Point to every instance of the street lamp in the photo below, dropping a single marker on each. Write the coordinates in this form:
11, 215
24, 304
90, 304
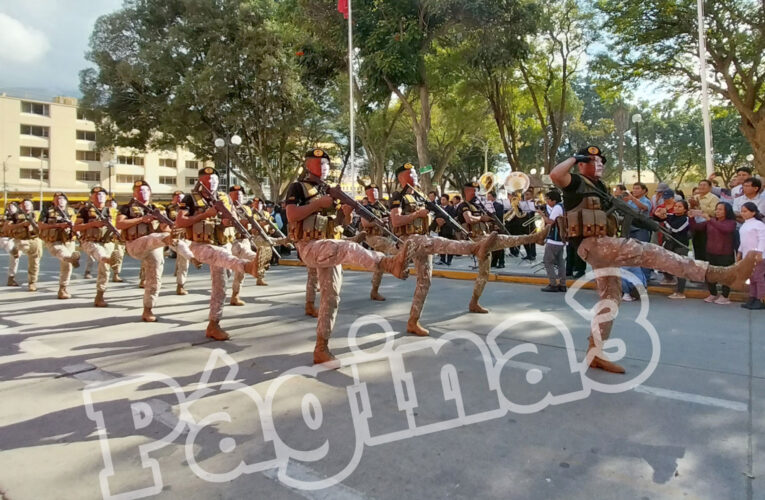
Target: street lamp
636, 119
749, 158
235, 141
5, 184
42, 158
110, 165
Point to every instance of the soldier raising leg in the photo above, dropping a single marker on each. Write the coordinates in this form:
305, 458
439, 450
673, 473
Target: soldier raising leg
56, 230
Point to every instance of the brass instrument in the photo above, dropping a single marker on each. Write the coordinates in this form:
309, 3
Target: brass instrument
516, 183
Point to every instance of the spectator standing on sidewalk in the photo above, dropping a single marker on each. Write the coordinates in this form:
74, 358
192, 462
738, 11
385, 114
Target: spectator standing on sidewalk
679, 226
720, 235
554, 244
753, 240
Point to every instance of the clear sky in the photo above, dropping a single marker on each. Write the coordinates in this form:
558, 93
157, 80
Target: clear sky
43, 44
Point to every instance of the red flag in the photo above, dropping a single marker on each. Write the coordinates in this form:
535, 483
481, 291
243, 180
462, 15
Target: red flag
342, 6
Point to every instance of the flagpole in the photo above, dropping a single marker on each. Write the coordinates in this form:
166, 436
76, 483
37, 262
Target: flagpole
352, 159
704, 90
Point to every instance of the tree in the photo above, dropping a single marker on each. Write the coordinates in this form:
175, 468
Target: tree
657, 39
183, 72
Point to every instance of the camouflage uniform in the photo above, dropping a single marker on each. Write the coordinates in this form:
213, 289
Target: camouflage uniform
7, 244
98, 243
118, 256
28, 242
60, 243
181, 260
480, 230
377, 241
242, 248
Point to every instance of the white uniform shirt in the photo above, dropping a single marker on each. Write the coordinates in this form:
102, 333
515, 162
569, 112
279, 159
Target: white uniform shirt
752, 234
553, 213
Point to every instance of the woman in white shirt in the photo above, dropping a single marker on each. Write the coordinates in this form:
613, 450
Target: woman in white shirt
752, 234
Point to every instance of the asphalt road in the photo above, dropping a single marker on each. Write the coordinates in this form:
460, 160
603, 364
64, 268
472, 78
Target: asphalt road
96, 404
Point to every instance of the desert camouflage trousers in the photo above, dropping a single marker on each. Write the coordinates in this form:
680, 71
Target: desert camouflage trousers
427, 246
501, 242
150, 251
219, 258
101, 253
62, 251
619, 252
265, 254
327, 258
118, 256
33, 249
181, 263
9, 245
386, 246
243, 249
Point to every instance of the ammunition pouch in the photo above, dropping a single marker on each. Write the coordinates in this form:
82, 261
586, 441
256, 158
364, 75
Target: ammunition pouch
421, 225
97, 235
315, 227
139, 230
212, 232
588, 219
477, 229
56, 235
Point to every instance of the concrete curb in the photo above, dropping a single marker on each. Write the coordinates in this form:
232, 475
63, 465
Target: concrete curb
532, 280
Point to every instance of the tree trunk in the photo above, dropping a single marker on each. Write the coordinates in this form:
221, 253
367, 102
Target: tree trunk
755, 134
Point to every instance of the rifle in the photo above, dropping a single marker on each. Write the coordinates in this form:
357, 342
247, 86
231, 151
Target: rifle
493, 216
32, 221
278, 231
223, 210
240, 209
156, 213
65, 216
346, 199
440, 212
106, 220
631, 216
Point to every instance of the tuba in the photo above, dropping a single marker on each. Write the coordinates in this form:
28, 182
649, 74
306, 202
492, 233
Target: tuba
487, 182
515, 183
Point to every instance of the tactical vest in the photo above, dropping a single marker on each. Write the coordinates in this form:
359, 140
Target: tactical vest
380, 211
173, 209
4, 226
212, 230
589, 218
57, 235
321, 225
25, 233
245, 222
99, 234
141, 229
420, 225
476, 229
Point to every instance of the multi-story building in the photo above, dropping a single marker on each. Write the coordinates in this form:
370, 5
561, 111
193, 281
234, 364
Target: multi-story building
54, 141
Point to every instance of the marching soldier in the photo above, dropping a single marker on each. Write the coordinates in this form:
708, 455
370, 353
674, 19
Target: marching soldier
242, 246
181, 261
212, 235
145, 240
119, 252
265, 250
411, 221
586, 199
26, 236
315, 227
375, 237
56, 225
478, 223
97, 237
7, 243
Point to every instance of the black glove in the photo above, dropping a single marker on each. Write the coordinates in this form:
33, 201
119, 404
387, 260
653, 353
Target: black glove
582, 158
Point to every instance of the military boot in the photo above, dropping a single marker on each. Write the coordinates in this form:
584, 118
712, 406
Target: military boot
116, 278
33, 287
148, 316
310, 310
12, 281
215, 332
74, 260
475, 307
252, 268
396, 265
261, 282
63, 293
100, 302
734, 276
321, 352
414, 326
235, 300
375, 295
179, 290
601, 363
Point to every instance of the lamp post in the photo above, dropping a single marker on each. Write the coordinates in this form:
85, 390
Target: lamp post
110, 166
42, 158
235, 141
5, 184
749, 158
636, 119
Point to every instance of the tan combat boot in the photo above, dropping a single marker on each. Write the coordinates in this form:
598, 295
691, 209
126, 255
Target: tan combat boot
375, 295
483, 247
179, 290
601, 363
33, 287
74, 260
261, 282
148, 316
142, 284
100, 302
215, 332
310, 310
475, 307
63, 293
117, 279
396, 265
236, 301
252, 268
12, 281
196, 263
414, 326
734, 276
321, 352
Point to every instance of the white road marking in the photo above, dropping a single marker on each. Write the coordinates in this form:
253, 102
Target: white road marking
304, 473
692, 398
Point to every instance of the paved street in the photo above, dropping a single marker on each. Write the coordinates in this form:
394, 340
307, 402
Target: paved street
433, 419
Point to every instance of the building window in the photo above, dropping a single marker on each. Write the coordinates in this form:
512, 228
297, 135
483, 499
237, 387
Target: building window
86, 135
128, 179
32, 173
35, 130
170, 181
33, 152
130, 160
88, 176
88, 156
192, 165
35, 108
191, 181
167, 162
